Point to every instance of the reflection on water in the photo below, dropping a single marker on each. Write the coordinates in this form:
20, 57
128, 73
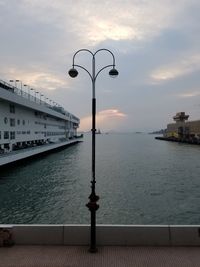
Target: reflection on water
139, 180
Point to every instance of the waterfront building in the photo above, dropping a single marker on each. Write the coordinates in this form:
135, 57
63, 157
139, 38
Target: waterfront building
28, 121
183, 129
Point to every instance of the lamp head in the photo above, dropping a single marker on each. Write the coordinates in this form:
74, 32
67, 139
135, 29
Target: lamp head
113, 73
73, 72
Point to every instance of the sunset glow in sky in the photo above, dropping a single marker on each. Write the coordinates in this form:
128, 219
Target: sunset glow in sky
156, 45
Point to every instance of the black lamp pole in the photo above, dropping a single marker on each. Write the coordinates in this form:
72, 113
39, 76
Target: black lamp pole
93, 198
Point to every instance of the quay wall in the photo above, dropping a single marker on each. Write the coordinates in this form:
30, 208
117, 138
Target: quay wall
179, 140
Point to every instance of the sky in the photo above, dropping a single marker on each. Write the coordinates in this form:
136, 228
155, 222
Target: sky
156, 45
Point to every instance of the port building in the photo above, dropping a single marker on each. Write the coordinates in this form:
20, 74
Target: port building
182, 128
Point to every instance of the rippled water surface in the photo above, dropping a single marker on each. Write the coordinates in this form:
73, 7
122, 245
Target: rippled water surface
140, 180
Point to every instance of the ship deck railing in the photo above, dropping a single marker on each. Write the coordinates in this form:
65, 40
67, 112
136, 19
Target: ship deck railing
34, 98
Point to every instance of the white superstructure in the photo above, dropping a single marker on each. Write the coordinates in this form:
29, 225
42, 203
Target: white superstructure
28, 121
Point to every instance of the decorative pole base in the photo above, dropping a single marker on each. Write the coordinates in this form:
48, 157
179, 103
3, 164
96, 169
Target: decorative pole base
93, 207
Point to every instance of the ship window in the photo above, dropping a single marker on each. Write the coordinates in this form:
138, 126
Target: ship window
23, 122
6, 135
12, 122
12, 108
12, 135
5, 120
18, 122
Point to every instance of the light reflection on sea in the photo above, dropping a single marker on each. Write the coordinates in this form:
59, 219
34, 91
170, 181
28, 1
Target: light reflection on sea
140, 180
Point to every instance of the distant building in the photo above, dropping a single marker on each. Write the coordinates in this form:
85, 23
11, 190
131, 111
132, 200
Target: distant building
183, 129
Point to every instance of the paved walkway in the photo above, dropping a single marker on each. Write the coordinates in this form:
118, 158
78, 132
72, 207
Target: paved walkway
78, 256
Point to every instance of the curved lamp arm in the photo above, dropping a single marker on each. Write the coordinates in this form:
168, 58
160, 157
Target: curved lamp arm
101, 70
79, 66
81, 50
93, 56
104, 49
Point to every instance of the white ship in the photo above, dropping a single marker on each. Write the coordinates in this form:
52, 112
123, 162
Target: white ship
30, 125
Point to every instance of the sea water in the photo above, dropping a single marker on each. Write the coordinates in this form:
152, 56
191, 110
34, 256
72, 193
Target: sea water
139, 180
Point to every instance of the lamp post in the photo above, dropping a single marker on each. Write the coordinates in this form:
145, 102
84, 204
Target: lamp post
18, 81
35, 96
28, 91
31, 89
41, 95
93, 198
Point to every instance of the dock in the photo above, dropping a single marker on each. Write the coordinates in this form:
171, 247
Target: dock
22, 154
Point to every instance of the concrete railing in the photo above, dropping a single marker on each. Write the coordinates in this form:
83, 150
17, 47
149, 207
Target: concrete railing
122, 235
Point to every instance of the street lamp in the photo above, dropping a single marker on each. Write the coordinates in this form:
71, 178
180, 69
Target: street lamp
41, 95
46, 101
35, 96
31, 89
93, 198
18, 81
28, 91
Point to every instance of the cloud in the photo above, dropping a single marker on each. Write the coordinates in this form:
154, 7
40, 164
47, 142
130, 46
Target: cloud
110, 113
107, 119
36, 79
181, 67
190, 94
45, 80
155, 43
96, 21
